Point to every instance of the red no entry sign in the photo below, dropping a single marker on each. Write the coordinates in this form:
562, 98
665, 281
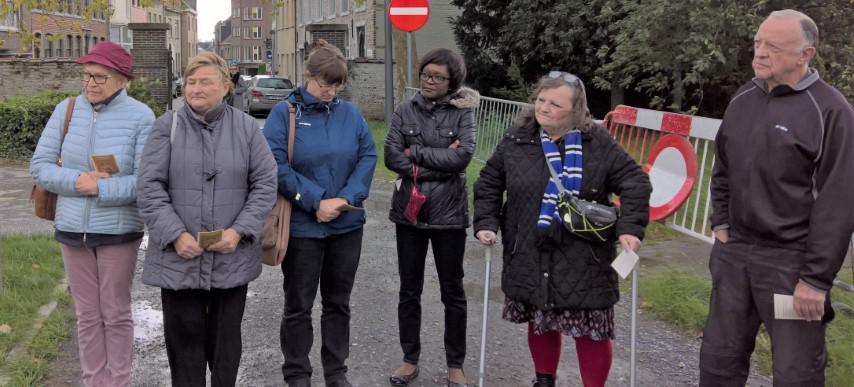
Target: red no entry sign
672, 169
408, 15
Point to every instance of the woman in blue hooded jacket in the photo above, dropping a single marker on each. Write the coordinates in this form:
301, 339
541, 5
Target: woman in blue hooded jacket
330, 172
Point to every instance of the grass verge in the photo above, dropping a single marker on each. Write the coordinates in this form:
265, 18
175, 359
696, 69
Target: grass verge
688, 312
32, 268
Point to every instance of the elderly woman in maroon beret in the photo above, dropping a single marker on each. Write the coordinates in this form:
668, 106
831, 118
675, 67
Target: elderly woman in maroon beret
97, 225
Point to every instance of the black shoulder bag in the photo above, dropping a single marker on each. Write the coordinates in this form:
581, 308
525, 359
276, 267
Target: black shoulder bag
588, 220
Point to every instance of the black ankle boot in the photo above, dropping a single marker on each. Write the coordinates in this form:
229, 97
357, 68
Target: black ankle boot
544, 380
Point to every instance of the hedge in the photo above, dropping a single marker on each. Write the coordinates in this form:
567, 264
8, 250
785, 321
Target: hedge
22, 119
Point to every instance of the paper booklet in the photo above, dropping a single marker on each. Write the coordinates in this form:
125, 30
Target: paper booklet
207, 238
105, 163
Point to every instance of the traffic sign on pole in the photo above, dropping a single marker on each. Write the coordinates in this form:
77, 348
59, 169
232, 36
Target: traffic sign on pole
408, 15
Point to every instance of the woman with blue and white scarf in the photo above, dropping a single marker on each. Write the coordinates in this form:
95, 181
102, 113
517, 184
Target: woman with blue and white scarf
557, 283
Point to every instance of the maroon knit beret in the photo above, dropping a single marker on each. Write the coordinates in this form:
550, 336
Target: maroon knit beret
110, 55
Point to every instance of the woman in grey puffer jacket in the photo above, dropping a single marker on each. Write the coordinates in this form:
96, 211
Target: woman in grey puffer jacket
430, 143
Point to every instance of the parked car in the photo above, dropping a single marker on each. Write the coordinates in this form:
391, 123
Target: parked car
264, 91
176, 88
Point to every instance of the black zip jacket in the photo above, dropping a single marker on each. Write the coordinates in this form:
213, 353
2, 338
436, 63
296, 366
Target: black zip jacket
784, 172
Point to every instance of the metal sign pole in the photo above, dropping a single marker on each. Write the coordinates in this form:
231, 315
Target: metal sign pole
389, 72
409, 59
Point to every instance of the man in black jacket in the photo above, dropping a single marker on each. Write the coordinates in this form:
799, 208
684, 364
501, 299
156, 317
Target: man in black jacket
780, 189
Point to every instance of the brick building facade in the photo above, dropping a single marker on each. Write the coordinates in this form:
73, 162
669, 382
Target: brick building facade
250, 38
60, 32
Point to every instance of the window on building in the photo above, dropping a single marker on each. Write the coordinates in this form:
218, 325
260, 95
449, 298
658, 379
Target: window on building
361, 7
318, 9
254, 13
307, 10
235, 31
255, 32
299, 6
360, 41
235, 12
10, 21
345, 6
256, 53
79, 51
69, 46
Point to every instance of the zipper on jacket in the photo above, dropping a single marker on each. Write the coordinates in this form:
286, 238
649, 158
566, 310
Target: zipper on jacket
88, 207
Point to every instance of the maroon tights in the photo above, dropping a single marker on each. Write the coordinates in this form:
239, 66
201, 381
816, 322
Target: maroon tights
594, 357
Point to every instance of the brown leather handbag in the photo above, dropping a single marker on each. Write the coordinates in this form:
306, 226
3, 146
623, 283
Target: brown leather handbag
44, 201
277, 227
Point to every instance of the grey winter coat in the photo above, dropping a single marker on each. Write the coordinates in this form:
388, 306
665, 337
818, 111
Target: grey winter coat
427, 129
213, 174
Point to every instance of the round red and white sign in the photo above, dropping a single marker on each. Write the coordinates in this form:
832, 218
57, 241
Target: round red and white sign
408, 15
672, 169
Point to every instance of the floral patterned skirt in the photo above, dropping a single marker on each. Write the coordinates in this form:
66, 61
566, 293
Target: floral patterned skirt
598, 324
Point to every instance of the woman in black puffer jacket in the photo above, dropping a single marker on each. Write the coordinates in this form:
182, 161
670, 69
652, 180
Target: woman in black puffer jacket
433, 133
556, 282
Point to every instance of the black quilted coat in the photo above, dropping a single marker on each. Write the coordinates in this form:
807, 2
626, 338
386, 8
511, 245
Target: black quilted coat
551, 268
427, 129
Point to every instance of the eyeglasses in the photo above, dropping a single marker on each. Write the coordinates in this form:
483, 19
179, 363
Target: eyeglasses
433, 78
325, 86
100, 79
566, 77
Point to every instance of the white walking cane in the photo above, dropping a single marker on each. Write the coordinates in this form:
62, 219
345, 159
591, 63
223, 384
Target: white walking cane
633, 364
488, 260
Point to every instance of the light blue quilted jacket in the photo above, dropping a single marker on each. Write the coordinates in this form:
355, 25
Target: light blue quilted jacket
120, 128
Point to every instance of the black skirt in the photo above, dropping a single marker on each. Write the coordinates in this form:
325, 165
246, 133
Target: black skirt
598, 324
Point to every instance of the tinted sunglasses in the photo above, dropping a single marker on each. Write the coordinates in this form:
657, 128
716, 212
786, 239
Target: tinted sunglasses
566, 77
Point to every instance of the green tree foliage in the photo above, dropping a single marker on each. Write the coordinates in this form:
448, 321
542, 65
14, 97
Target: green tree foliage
687, 56
140, 89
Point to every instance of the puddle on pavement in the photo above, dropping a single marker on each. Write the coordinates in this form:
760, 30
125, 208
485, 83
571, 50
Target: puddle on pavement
147, 322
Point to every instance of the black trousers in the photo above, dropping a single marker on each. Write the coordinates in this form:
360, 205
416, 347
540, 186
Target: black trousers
203, 328
745, 278
448, 251
330, 262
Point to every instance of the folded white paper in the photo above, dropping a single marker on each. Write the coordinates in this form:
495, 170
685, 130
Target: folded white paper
784, 308
625, 263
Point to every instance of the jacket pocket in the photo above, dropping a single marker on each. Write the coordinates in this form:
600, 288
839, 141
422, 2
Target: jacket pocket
448, 134
411, 133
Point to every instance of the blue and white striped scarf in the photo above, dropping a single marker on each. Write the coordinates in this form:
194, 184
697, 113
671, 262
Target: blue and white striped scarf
570, 174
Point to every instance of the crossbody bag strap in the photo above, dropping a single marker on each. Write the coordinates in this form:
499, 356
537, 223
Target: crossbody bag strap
69, 111
291, 130
554, 173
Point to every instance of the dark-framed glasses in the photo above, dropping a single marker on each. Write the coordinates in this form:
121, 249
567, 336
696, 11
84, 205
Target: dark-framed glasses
433, 78
566, 77
100, 79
